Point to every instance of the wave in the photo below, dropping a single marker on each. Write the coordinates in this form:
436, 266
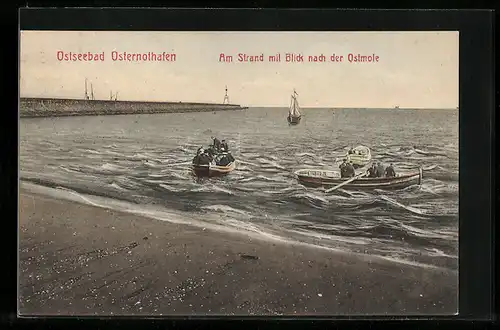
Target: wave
231, 224
262, 194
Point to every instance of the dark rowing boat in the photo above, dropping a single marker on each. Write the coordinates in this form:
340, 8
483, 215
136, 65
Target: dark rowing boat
328, 179
210, 170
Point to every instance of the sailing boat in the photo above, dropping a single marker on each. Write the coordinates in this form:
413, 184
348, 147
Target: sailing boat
294, 115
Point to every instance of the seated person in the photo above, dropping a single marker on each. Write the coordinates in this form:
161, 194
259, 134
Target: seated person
350, 172
389, 171
372, 171
224, 146
216, 143
342, 167
380, 170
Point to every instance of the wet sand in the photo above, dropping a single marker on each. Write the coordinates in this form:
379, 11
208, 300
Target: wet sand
77, 259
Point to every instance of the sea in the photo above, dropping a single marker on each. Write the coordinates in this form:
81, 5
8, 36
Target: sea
141, 164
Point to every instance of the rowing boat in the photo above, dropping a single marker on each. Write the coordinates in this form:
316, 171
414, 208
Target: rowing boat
328, 178
209, 170
360, 156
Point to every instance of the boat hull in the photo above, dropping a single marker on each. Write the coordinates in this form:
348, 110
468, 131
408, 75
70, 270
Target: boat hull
213, 170
328, 179
294, 120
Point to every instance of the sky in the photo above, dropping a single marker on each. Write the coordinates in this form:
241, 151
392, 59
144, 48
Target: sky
414, 69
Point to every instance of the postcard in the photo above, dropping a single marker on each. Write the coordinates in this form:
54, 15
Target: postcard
238, 173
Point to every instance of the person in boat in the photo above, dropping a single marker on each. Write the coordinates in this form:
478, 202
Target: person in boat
210, 151
350, 172
372, 171
389, 171
216, 143
202, 159
346, 169
380, 170
224, 159
230, 157
223, 146
351, 151
196, 159
342, 168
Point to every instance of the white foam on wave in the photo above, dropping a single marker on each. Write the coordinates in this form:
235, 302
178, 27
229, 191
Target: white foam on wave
279, 191
340, 239
271, 163
212, 188
171, 188
157, 175
117, 186
69, 169
311, 197
224, 209
113, 153
422, 232
211, 223
429, 153
408, 208
112, 167
260, 177
152, 164
305, 154
92, 151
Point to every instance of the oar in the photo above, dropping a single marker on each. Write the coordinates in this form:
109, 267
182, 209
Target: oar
346, 182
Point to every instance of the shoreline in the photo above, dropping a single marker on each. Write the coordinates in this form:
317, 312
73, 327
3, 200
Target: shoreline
41, 188
78, 259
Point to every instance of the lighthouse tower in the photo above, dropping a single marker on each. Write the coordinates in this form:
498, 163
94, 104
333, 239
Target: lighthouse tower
226, 98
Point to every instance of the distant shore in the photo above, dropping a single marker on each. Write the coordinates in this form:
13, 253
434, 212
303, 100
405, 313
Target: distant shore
56, 107
84, 260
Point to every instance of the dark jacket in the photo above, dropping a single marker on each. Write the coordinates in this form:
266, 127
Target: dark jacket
372, 172
349, 169
216, 144
342, 168
380, 171
389, 171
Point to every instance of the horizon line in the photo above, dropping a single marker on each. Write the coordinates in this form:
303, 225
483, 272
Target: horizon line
248, 105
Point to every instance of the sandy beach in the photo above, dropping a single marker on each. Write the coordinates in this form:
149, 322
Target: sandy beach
78, 259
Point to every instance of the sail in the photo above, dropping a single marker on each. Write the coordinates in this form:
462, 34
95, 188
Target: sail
294, 107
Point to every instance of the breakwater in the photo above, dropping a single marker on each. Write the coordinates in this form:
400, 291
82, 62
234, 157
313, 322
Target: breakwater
52, 107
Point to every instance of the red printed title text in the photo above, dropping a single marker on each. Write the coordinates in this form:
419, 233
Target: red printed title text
299, 58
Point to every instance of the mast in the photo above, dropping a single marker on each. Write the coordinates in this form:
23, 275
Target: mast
86, 93
111, 95
226, 98
116, 96
92, 91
